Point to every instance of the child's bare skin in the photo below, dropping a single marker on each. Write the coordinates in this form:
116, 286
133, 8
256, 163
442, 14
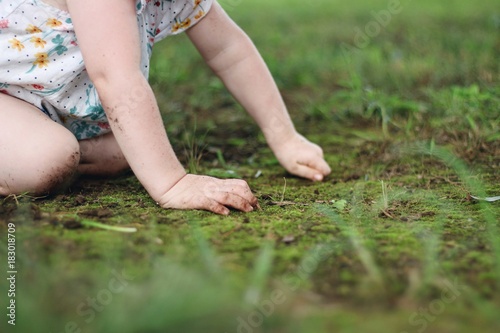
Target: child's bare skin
38, 154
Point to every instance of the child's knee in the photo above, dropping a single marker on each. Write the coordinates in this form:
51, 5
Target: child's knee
57, 167
42, 167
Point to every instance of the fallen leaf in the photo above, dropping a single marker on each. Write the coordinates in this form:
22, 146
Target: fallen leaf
488, 199
340, 204
288, 239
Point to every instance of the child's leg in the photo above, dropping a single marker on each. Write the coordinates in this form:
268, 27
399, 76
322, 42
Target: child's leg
101, 156
37, 155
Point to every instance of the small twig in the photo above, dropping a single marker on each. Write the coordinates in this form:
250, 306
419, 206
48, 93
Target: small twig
17, 197
236, 228
387, 214
384, 195
283, 193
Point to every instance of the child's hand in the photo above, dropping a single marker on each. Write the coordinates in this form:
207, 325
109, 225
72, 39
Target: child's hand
208, 193
302, 158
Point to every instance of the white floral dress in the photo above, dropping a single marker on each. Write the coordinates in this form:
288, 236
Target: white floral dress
41, 63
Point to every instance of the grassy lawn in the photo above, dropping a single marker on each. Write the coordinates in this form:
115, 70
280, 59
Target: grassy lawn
405, 101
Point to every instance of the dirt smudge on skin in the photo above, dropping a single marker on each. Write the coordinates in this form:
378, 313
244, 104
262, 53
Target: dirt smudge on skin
59, 178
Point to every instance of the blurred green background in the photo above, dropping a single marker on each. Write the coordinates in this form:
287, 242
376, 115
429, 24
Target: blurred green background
406, 107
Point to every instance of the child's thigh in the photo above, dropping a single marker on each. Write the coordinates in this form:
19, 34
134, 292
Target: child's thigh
32, 146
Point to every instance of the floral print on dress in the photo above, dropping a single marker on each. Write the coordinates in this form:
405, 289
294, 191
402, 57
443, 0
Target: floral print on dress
31, 29
3, 89
4, 24
16, 44
185, 23
41, 63
39, 42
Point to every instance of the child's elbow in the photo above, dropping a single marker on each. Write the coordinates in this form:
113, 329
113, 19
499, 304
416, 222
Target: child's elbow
108, 78
236, 52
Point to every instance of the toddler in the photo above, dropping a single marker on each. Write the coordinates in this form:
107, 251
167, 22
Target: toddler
74, 98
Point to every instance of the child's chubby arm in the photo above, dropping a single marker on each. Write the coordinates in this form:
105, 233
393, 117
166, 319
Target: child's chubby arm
234, 58
108, 36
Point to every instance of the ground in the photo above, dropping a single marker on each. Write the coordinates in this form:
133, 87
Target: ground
404, 97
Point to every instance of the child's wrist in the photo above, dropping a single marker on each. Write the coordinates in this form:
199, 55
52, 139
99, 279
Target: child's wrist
159, 189
278, 140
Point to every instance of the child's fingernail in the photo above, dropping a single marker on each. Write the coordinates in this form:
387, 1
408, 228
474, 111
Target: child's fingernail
318, 177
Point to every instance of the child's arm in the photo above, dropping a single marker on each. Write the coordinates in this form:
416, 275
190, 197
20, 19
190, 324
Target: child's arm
234, 58
109, 40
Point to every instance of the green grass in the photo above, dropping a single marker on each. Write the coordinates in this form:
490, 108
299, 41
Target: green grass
390, 242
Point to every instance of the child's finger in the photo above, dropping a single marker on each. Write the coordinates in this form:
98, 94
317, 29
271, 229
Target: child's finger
308, 172
215, 207
233, 200
212, 194
320, 165
198, 202
316, 163
241, 188
232, 192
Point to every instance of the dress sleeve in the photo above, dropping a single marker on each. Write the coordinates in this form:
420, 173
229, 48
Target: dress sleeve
171, 17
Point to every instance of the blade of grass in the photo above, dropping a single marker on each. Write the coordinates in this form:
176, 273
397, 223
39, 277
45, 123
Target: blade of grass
260, 274
353, 235
207, 254
94, 224
473, 185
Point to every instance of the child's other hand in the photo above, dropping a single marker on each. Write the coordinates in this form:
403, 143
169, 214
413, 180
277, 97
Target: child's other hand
302, 158
208, 193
